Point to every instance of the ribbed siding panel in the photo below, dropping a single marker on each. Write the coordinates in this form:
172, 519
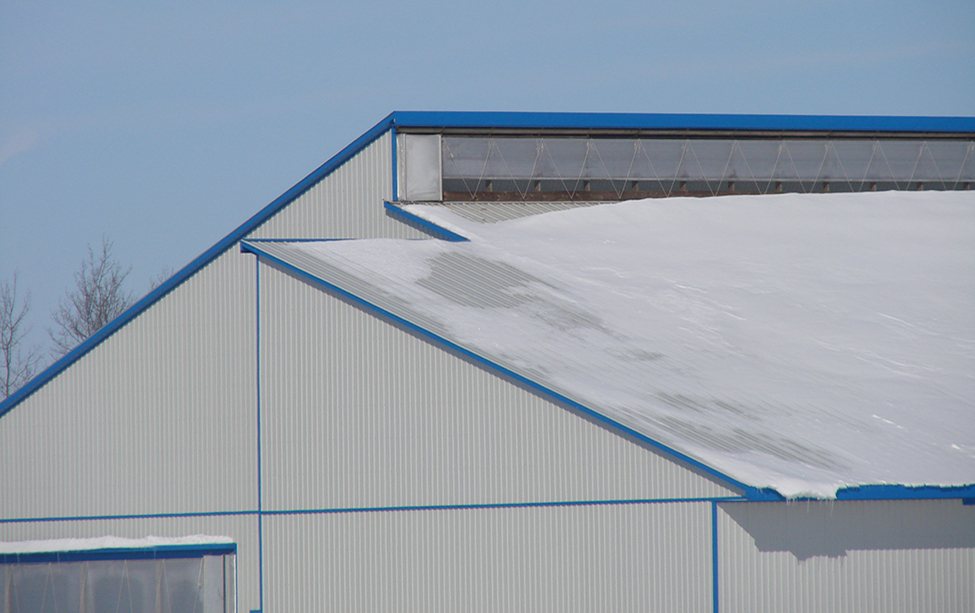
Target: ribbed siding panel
346, 204
358, 413
241, 528
883, 556
159, 418
643, 557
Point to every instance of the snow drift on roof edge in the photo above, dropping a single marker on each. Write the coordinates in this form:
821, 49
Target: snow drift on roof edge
805, 343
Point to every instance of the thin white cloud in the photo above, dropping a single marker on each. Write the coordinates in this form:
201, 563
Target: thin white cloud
24, 140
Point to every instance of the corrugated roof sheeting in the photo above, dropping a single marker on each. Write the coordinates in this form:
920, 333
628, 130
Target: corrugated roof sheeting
847, 556
346, 203
359, 413
159, 418
241, 528
635, 557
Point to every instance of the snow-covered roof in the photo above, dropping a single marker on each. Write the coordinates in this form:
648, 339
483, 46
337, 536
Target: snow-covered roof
805, 343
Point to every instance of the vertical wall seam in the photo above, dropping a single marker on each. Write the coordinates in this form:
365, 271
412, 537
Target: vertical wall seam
260, 493
714, 555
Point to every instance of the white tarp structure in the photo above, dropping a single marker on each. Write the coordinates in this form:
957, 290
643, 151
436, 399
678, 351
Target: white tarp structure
805, 343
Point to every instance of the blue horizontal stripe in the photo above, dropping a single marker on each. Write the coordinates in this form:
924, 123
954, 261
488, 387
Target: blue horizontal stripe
504, 505
497, 505
20, 520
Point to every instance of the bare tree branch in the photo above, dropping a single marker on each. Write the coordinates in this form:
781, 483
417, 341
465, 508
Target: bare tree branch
18, 364
164, 274
97, 299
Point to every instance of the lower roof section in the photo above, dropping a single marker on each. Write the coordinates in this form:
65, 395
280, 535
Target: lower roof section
811, 344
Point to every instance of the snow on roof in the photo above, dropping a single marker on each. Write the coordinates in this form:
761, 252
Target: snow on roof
805, 343
109, 542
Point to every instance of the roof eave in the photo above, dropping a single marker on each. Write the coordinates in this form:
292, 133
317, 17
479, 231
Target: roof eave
634, 123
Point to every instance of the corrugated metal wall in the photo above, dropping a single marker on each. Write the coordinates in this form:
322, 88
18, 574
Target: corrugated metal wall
358, 413
855, 556
346, 204
173, 392
635, 557
241, 528
162, 416
159, 418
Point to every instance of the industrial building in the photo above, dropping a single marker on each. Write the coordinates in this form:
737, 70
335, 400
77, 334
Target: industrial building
534, 361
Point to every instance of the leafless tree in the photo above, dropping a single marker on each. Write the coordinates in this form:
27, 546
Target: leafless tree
18, 364
98, 298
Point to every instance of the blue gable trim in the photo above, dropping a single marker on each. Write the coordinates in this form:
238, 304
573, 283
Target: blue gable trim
484, 120
905, 492
193, 267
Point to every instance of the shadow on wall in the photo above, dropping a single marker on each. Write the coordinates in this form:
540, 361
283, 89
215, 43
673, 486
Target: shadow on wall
832, 528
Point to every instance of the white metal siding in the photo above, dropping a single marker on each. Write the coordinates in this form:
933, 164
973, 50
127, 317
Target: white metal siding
884, 556
346, 204
358, 413
641, 557
159, 418
241, 528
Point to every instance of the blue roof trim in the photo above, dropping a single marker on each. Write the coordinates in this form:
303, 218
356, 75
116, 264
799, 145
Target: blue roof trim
905, 492
751, 493
423, 224
193, 267
659, 121
165, 552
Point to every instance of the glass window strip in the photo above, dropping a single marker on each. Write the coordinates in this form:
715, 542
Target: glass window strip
552, 168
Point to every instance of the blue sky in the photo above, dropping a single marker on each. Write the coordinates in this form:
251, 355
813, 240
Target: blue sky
165, 126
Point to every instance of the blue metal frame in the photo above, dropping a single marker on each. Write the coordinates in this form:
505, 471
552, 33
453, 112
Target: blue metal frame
27, 520
507, 505
714, 555
260, 477
659, 121
395, 194
162, 552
